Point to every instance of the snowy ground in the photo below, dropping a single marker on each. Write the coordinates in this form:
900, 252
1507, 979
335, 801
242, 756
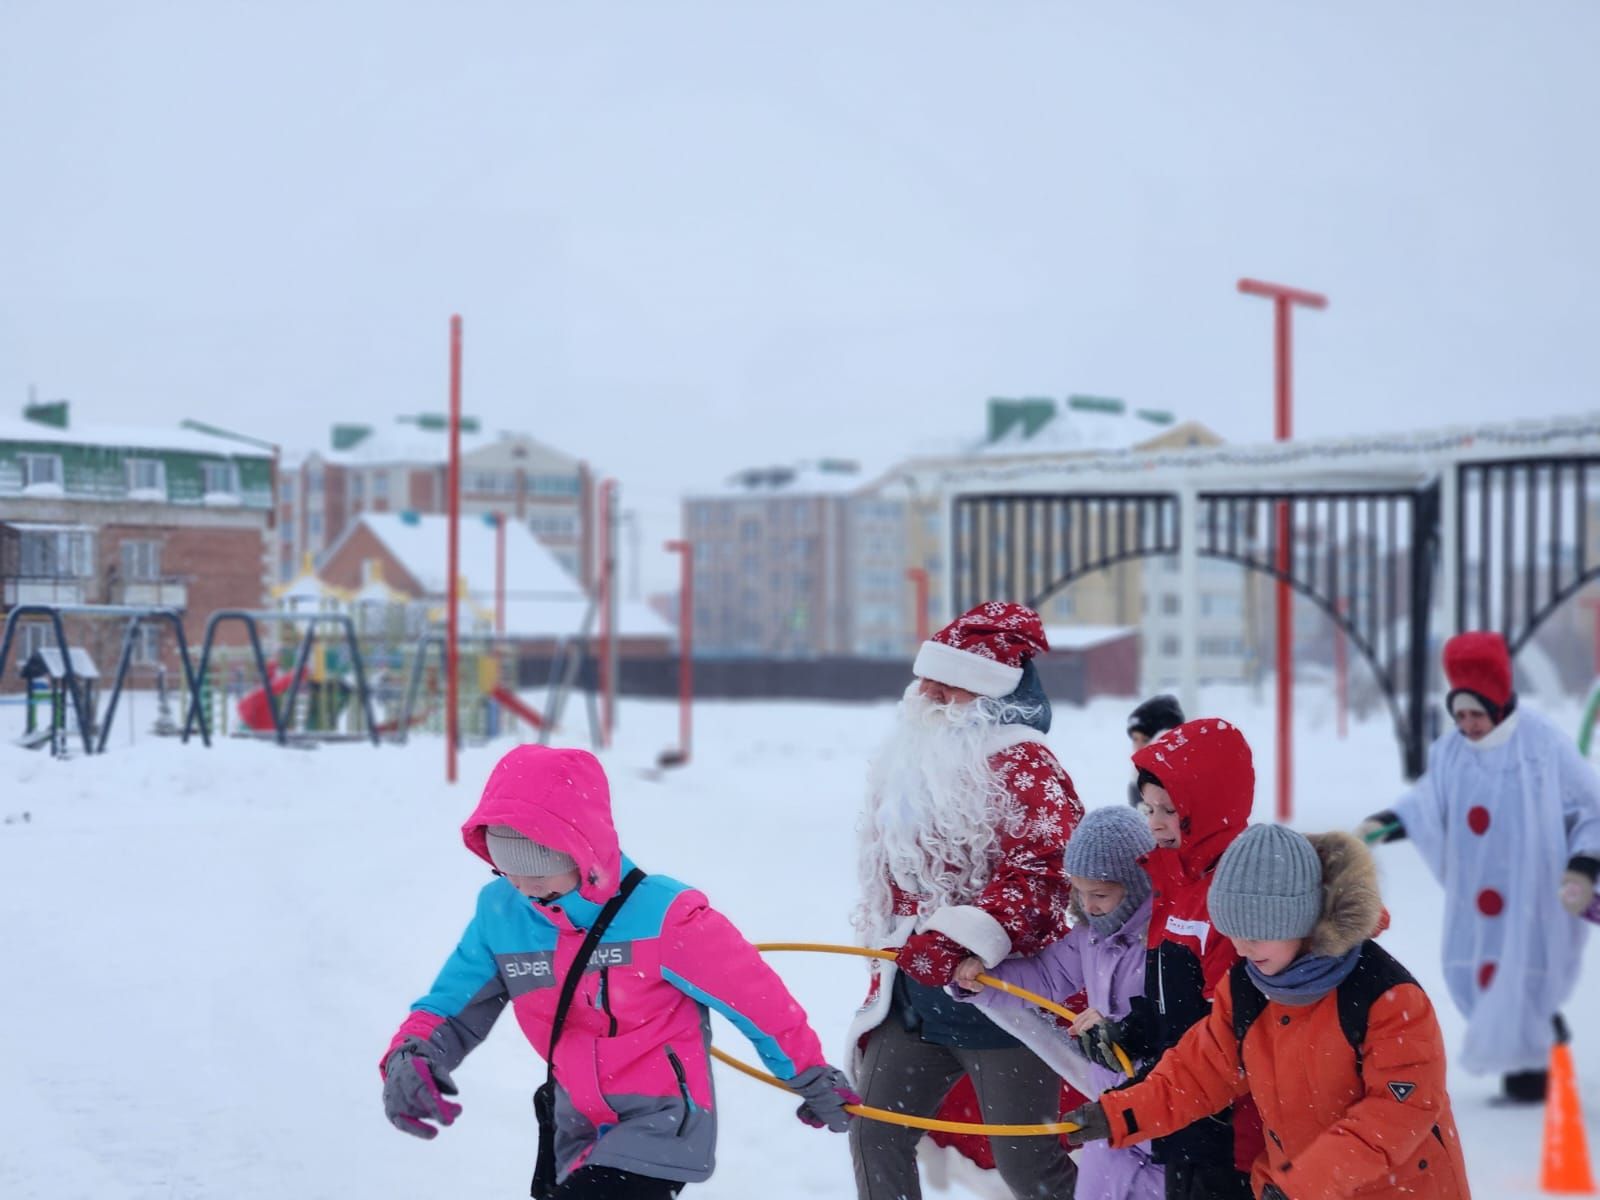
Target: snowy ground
204, 952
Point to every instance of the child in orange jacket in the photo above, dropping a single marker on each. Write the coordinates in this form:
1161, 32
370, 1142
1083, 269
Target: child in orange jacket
1373, 1117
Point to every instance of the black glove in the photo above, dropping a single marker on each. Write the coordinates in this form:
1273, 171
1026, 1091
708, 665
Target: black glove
1381, 828
1097, 1044
1091, 1122
1273, 1192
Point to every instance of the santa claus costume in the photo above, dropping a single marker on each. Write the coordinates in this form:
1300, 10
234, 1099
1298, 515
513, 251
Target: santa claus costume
1508, 821
961, 846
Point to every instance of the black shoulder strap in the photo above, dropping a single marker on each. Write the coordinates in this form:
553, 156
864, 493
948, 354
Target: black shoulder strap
1248, 1004
1376, 972
569, 985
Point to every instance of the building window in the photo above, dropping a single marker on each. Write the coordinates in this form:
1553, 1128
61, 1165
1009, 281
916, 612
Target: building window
147, 645
552, 485
380, 485
220, 478
41, 468
314, 525
55, 554
314, 480
141, 561
147, 475
1169, 647
36, 635
1171, 605
358, 486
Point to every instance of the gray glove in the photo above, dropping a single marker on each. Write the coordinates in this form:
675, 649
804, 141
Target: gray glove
1092, 1124
1273, 1192
826, 1092
414, 1090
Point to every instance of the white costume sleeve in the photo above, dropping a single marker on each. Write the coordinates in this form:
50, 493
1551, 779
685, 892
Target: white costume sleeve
1580, 802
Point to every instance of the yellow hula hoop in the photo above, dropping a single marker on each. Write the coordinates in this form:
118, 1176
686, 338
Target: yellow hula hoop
905, 1119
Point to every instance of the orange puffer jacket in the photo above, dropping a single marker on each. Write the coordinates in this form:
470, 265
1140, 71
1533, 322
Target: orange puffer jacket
1333, 1130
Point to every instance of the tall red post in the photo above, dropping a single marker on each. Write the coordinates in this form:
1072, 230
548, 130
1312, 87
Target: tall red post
452, 643
500, 574
919, 583
685, 644
607, 582
1283, 298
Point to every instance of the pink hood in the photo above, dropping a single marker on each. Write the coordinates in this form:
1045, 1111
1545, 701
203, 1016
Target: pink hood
559, 798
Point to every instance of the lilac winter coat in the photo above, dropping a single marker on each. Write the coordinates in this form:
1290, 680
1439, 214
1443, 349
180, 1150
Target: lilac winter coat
1110, 970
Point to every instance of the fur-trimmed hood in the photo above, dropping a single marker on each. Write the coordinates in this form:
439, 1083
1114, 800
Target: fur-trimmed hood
1352, 908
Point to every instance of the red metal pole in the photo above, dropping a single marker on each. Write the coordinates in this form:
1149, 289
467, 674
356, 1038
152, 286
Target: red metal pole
685, 642
452, 645
919, 581
606, 584
500, 574
1283, 430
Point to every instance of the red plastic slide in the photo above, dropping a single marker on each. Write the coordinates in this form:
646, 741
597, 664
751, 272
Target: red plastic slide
254, 710
516, 707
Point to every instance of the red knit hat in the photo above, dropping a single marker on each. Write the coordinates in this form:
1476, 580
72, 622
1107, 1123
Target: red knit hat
983, 650
1479, 663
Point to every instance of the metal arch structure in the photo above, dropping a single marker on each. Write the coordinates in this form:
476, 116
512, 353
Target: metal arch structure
1034, 544
1365, 556
1528, 542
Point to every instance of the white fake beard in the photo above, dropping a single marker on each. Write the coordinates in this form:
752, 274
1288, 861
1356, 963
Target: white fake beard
935, 810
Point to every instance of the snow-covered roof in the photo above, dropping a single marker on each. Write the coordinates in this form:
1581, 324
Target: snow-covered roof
542, 599
400, 442
129, 437
1085, 637
822, 477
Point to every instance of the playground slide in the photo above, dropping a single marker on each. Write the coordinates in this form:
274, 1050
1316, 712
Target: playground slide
517, 708
253, 706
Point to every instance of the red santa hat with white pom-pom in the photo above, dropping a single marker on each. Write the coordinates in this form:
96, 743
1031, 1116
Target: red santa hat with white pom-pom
984, 649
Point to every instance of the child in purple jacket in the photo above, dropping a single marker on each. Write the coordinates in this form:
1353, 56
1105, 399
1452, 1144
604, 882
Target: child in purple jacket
1103, 955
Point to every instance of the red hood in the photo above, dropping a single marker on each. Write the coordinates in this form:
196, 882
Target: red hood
1205, 766
558, 798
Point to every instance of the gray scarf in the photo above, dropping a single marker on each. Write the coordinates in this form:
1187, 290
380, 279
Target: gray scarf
1307, 979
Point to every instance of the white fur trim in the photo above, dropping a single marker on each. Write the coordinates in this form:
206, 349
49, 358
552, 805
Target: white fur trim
1006, 736
1040, 1033
974, 929
872, 1014
957, 668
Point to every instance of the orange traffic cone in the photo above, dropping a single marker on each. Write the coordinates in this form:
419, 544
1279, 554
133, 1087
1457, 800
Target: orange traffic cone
1565, 1169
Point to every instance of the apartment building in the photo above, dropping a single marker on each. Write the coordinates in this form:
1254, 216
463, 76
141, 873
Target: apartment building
403, 467
131, 516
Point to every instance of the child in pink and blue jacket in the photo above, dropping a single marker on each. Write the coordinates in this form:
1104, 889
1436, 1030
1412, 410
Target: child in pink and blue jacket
1103, 956
635, 1112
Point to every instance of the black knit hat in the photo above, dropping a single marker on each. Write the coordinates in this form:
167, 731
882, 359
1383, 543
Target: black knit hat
1155, 715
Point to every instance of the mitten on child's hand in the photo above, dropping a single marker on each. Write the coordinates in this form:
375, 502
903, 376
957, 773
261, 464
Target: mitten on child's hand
414, 1090
1092, 1125
931, 958
1099, 1043
826, 1092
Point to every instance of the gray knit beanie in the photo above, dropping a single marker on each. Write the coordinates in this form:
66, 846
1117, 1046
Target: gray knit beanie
1267, 886
1107, 844
515, 854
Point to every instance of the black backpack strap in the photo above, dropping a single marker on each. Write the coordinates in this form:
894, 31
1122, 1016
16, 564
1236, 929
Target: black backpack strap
569, 985
1376, 973
544, 1170
1248, 1004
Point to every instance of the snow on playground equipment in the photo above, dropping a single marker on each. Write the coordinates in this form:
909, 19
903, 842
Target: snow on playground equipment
82, 705
281, 715
928, 1123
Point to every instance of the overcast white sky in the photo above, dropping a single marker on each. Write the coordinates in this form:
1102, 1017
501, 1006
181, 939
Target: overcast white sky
689, 236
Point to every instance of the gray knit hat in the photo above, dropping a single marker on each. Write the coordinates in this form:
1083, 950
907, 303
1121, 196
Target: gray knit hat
1267, 886
515, 854
1107, 844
